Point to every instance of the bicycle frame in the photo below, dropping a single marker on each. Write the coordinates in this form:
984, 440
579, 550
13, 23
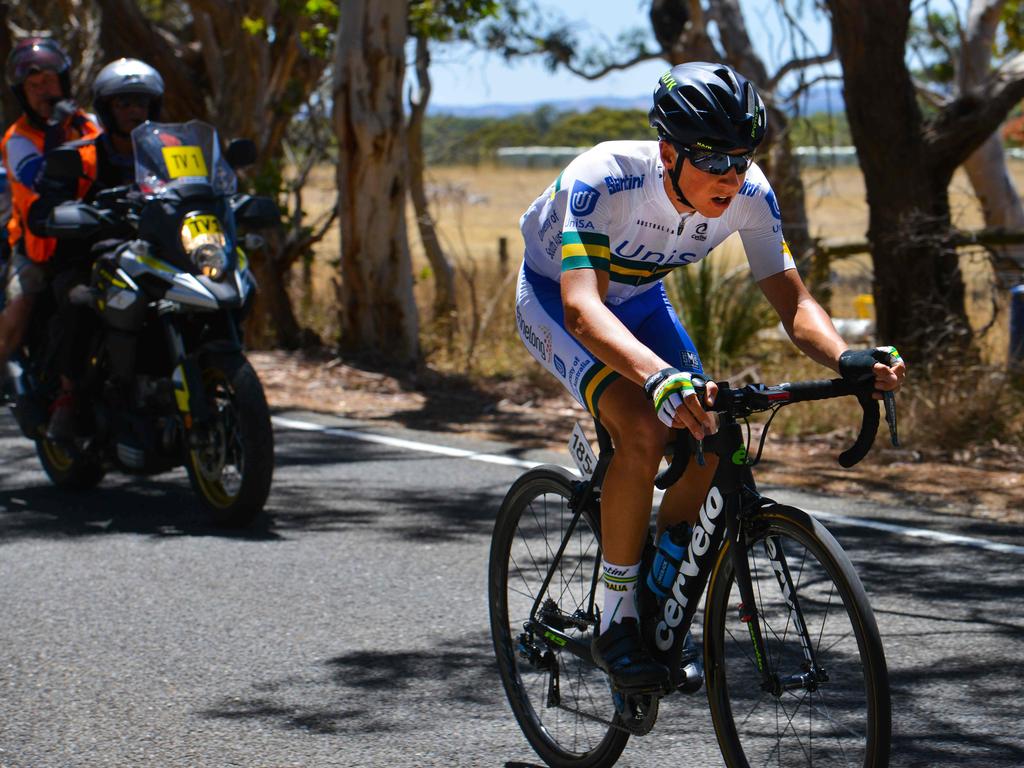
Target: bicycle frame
730, 503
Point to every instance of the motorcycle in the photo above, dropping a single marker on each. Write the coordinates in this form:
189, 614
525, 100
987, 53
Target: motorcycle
167, 382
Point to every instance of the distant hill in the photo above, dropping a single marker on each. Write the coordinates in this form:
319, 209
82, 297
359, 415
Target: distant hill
826, 97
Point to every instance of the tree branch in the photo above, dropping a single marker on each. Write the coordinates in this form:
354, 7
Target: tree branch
800, 64
964, 123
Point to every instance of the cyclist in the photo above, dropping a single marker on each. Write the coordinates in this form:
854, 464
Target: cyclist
39, 73
592, 309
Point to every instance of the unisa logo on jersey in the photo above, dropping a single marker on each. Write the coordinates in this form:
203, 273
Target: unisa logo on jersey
583, 199
773, 204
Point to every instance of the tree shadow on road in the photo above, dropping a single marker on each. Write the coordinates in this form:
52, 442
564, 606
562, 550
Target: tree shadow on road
951, 646
376, 692
154, 506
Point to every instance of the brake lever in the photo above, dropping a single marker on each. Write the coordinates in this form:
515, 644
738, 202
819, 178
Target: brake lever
889, 398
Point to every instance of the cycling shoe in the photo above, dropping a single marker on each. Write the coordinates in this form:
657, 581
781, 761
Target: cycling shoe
621, 654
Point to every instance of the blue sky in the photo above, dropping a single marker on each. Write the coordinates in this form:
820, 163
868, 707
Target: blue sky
462, 77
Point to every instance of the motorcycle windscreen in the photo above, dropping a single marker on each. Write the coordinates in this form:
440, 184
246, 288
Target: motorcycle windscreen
171, 154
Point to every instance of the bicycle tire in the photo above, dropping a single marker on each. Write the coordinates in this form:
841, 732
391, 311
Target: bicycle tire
528, 532
845, 720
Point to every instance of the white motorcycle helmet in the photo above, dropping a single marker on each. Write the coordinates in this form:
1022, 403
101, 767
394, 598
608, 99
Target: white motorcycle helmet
126, 77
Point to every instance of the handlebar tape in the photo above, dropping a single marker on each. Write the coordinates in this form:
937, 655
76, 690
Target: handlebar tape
680, 459
868, 429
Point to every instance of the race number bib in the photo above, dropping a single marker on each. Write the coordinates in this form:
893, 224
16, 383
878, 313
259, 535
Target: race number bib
581, 451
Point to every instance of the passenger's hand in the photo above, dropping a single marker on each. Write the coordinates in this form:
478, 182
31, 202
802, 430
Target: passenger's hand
62, 113
883, 365
676, 403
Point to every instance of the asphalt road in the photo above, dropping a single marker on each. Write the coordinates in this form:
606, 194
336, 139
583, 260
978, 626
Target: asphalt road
349, 628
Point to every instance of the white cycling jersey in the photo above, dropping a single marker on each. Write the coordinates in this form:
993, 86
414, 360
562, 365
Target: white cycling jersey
609, 210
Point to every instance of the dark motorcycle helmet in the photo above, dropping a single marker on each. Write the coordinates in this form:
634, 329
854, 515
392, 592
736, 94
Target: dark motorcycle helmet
122, 78
32, 55
700, 103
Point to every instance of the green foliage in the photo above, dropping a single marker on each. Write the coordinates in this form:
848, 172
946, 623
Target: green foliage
820, 130
451, 140
936, 38
722, 309
446, 20
1013, 26
454, 140
581, 128
172, 14
254, 26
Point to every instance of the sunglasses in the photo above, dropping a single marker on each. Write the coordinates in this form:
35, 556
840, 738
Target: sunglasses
717, 163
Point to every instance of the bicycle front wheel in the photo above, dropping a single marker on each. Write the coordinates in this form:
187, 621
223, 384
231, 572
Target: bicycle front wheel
823, 695
562, 703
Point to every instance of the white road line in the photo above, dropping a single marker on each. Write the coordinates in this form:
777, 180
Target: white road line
490, 458
921, 533
410, 445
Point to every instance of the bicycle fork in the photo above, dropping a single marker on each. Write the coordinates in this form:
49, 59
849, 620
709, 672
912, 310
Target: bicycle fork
771, 681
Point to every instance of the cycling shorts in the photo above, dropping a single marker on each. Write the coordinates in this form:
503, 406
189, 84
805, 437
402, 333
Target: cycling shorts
24, 276
650, 317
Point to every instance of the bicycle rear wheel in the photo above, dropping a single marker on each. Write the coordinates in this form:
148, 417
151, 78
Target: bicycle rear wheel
562, 703
836, 712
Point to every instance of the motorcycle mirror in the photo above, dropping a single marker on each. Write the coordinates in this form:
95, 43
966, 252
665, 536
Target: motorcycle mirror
240, 153
63, 164
257, 211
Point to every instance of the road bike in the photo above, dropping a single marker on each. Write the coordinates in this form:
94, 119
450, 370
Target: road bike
793, 662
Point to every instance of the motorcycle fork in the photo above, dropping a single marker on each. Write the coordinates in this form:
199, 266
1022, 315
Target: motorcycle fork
189, 392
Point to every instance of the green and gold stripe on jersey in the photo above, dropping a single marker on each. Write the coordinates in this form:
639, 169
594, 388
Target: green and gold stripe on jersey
585, 250
590, 250
637, 273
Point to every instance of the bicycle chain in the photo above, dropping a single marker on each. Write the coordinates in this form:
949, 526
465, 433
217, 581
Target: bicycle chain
642, 728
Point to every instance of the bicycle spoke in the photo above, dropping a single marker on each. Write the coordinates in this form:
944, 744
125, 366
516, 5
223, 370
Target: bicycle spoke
542, 551
816, 711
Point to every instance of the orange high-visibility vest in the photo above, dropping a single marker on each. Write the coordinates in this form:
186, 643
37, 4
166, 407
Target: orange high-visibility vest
39, 249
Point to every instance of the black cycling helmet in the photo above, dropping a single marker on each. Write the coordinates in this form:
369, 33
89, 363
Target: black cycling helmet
711, 105
122, 78
32, 55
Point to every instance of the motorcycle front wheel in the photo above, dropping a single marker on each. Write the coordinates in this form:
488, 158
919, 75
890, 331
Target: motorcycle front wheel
230, 458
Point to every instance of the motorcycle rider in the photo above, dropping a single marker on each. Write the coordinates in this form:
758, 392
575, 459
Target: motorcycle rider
38, 71
126, 93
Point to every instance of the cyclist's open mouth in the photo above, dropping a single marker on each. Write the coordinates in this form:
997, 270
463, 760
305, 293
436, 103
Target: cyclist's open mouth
721, 201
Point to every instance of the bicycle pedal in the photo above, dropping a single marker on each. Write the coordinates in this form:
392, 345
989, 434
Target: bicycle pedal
693, 677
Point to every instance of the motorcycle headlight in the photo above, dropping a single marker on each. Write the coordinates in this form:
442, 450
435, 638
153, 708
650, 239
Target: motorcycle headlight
211, 260
202, 238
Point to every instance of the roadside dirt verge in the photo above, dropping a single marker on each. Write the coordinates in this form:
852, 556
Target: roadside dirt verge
985, 482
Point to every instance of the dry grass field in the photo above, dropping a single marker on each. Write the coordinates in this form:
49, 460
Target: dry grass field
962, 449
475, 207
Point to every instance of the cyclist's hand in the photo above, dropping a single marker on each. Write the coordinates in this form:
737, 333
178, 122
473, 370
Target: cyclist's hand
676, 403
883, 365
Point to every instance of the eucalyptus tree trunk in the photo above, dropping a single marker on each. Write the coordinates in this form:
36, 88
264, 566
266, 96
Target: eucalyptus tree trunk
918, 287
444, 272
378, 311
986, 167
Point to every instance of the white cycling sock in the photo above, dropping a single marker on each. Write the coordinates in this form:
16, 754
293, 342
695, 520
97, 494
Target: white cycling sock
619, 592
